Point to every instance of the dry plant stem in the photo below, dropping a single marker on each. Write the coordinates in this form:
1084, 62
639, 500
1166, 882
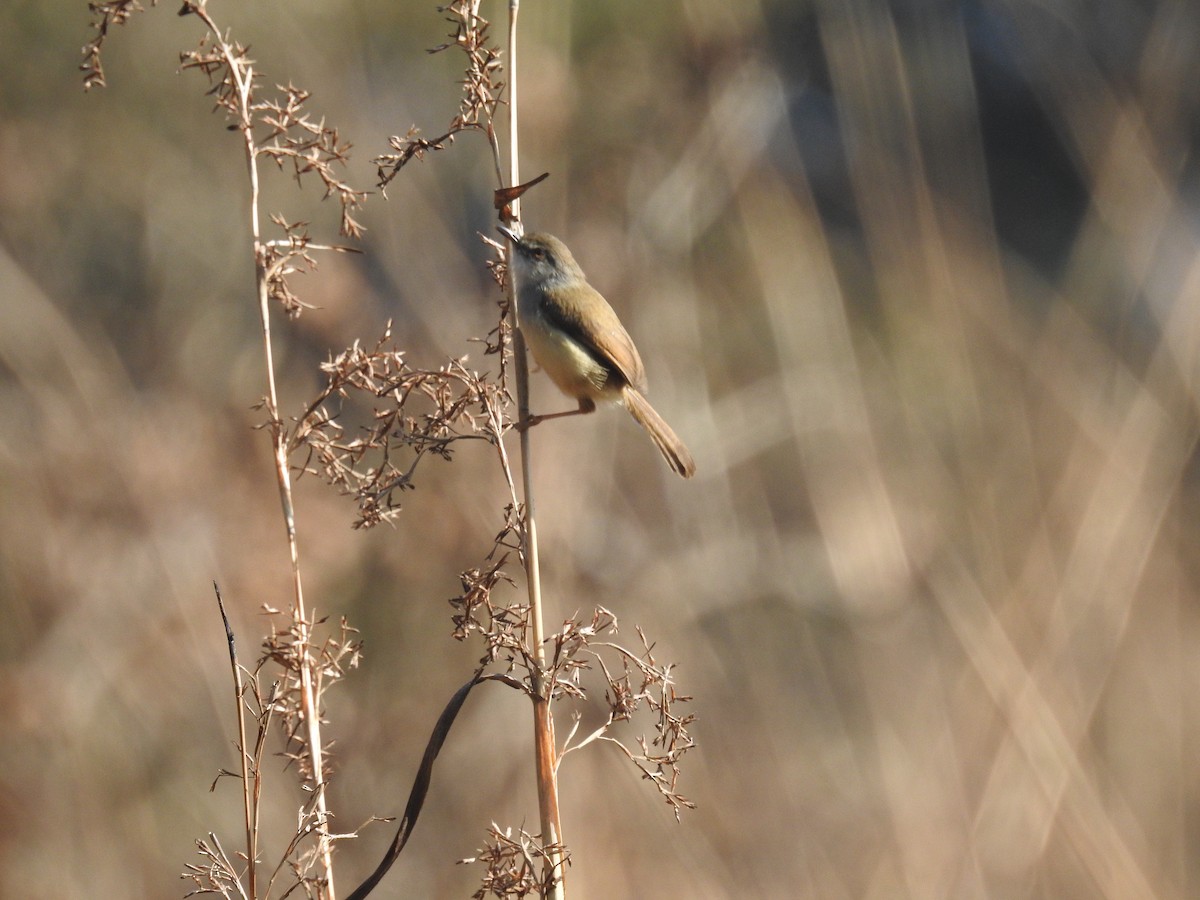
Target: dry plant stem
279, 442
543, 722
248, 797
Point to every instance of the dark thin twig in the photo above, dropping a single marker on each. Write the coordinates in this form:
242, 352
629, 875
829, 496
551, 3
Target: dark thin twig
248, 795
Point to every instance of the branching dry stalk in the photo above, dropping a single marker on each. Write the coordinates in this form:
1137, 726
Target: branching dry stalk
481, 92
641, 680
218, 875
276, 129
545, 751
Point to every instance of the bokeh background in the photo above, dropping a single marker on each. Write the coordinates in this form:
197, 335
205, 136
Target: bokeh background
918, 283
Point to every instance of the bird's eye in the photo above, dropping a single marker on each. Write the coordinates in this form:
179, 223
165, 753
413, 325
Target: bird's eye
538, 253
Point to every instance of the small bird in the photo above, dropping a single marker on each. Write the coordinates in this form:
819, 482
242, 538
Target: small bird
580, 343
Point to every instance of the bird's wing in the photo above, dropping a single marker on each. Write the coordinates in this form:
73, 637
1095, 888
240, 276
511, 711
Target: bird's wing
601, 334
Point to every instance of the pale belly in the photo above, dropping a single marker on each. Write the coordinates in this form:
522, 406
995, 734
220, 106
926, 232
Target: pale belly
569, 366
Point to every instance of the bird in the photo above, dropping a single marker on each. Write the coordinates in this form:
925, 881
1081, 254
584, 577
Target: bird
578, 340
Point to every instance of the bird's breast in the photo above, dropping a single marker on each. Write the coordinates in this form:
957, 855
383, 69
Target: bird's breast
575, 371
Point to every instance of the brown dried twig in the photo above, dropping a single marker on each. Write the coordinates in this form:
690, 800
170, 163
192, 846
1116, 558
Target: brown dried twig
280, 130
480, 93
640, 681
504, 627
104, 16
414, 413
218, 875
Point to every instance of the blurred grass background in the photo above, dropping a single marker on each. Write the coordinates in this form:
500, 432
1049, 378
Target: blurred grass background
917, 283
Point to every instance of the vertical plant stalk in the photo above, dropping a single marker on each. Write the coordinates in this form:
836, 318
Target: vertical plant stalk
312, 720
263, 274
249, 796
543, 721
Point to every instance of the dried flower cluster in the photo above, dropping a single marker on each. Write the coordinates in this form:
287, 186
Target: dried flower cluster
302, 858
481, 93
504, 627
630, 680
217, 875
104, 16
642, 680
327, 664
280, 130
635, 680
517, 865
414, 413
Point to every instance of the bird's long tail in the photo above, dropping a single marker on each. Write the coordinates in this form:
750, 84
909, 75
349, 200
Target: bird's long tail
666, 440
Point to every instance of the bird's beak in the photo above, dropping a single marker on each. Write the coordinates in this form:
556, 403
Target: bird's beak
509, 233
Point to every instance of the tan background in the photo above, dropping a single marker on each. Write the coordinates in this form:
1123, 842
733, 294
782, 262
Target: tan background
918, 284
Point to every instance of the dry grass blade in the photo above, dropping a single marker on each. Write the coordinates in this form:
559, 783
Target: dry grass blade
424, 776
